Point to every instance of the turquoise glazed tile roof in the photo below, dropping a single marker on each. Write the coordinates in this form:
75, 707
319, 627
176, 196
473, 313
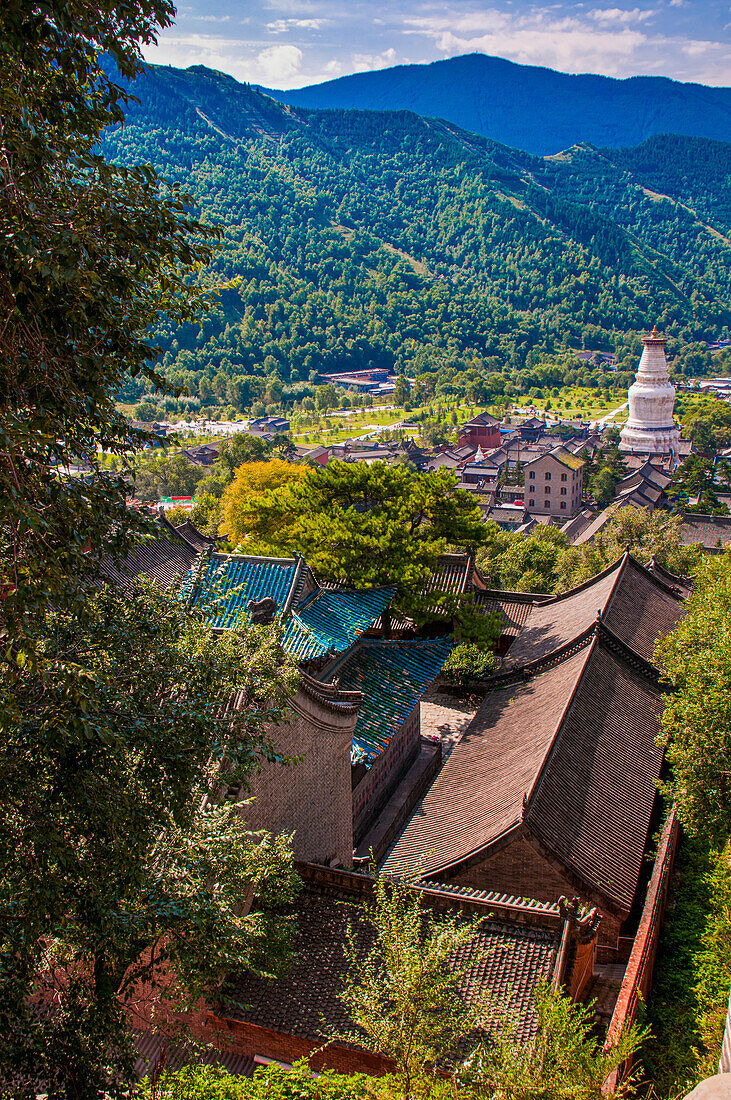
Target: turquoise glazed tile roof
331, 621
392, 676
227, 583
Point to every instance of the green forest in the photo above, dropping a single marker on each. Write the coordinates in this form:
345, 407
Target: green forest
354, 239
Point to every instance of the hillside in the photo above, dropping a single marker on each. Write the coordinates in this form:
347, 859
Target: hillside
360, 238
536, 109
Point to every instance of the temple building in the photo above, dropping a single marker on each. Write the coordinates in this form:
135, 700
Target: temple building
650, 428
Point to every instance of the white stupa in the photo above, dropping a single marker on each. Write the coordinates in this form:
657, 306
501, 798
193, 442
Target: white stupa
650, 428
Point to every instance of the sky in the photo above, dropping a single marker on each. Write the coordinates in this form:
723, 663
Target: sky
292, 43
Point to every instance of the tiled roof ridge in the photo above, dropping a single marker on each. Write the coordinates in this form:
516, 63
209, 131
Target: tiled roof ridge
352, 885
298, 581
658, 581
561, 596
626, 654
660, 571
530, 669
173, 531
508, 594
232, 555
336, 700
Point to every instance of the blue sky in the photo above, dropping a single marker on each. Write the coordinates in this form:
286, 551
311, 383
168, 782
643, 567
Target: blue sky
291, 43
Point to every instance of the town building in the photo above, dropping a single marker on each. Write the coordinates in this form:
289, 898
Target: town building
482, 431
650, 428
554, 483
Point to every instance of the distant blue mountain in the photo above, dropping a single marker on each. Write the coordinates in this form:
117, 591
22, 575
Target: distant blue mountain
535, 109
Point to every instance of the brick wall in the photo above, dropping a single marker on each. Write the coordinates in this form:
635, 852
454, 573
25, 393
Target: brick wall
311, 798
520, 870
249, 1040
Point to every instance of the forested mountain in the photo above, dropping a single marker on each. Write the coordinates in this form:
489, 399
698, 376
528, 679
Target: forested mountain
359, 238
532, 108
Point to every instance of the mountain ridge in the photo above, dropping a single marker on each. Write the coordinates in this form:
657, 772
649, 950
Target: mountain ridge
360, 238
529, 107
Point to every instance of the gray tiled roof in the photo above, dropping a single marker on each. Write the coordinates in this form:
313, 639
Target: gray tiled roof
504, 963
164, 560
576, 741
636, 606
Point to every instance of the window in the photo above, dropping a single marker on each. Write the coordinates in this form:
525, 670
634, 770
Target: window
547, 489
563, 492
546, 504
563, 503
548, 477
532, 475
563, 477
531, 504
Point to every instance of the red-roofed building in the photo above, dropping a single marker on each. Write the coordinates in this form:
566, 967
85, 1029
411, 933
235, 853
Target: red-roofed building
482, 431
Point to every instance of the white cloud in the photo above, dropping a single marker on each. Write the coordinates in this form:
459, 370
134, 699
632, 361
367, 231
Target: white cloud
622, 16
599, 41
213, 18
280, 26
366, 62
677, 3
280, 62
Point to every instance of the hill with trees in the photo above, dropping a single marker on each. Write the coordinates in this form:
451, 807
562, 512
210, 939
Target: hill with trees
355, 239
531, 107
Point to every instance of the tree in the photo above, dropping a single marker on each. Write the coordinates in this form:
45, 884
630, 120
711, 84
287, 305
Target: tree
363, 524
160, 475
90, 256
403, 989
527, 563
111, 872
252, 484
564, 1059
696, 721
645, 533
242, 448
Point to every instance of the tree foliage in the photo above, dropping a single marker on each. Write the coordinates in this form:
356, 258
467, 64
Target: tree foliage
110, 870
364, 524
403, 992
696, 721
252, 484
90, 255
564, 1060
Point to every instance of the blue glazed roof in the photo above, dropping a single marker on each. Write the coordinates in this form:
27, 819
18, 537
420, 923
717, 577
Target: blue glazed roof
228, 583
392, 676
330, 621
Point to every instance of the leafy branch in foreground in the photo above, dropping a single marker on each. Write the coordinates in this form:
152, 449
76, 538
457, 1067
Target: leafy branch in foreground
696, 721
90, 256
403, 992
564, 1060
112, 876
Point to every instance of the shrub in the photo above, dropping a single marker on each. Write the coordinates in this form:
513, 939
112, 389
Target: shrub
468, 662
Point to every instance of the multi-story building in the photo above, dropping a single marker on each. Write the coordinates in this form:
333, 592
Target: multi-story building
553, 483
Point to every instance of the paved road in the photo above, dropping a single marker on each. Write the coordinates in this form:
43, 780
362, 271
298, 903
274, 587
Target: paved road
612, 414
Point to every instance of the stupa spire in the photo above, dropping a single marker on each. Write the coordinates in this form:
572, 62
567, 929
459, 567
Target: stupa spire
650, 428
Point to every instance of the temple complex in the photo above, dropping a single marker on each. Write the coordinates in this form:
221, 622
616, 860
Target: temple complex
650, 428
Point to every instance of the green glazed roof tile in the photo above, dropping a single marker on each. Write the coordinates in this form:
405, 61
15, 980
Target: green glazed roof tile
331, 621
392, 676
